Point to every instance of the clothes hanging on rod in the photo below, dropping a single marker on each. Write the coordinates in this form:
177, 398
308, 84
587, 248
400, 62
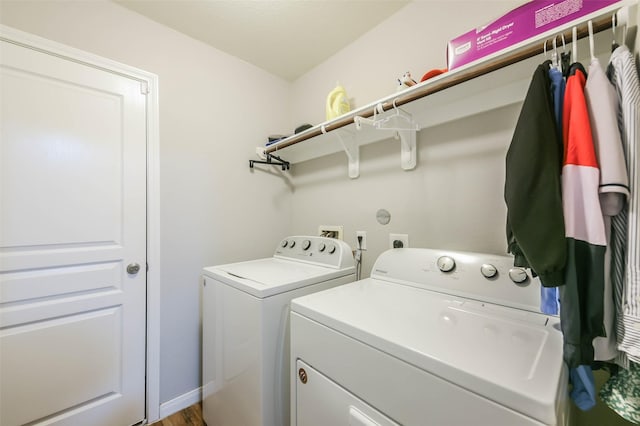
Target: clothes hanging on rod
581, 312
622, 391
582, 306
558, 88
583, 392
602, 104
535, 224
625, 238
549, 295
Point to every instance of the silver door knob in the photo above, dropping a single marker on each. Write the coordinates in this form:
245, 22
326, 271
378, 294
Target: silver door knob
133, 268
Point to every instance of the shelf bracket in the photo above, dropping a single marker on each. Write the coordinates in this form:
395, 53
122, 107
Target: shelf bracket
350, 146
407, 149
403, 124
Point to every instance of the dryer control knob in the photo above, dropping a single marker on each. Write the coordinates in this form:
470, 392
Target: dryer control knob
488, 270
446, 263
284, 243
306, 244
518, 275
292, 243
332, 249
321, 247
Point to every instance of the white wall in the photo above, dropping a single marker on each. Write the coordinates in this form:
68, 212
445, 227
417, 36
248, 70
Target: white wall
453, 199
214, 110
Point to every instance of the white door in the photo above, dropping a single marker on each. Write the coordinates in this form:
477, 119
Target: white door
72, 217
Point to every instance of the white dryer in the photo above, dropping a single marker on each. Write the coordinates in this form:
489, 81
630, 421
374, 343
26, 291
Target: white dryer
432, 338
245, 327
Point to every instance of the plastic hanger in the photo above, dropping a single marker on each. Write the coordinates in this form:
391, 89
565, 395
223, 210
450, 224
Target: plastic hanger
565, 57
574, 43
554, 56
614, 21
555, 60
591, 44
544, 50
622, 19
394, 121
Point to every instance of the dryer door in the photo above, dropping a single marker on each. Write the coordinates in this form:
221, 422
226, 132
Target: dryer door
321, 402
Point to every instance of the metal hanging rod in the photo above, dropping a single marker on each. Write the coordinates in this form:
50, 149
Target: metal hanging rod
445, 81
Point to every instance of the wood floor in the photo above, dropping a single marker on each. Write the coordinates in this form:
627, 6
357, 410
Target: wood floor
190, 416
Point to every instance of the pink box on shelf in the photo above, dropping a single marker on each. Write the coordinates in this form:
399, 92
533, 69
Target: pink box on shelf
529, 20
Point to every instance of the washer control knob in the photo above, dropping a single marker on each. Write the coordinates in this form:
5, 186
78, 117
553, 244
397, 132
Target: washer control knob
306, 244
518, 275
332, 249
284, 243
446, 263
292, 243
488, 270
321, 247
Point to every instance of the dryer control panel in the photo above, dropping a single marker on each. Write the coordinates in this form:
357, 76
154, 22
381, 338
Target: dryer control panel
484, 277
321, 250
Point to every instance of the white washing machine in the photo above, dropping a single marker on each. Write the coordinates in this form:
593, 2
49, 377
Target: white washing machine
432, 338
245, 327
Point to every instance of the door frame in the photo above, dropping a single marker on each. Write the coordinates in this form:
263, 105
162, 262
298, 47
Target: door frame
11, 35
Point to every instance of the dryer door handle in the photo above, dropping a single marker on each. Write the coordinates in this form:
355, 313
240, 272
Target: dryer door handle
358, 418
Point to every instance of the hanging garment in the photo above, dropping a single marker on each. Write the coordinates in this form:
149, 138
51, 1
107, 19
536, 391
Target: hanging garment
602, 105
622, 393
549, 295
581, 313
625, 232
535, 225
583, 392
558, 87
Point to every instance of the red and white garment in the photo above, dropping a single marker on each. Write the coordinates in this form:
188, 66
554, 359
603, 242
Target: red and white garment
581, 307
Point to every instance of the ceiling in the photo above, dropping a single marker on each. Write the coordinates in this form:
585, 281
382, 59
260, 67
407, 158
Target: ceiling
285, 37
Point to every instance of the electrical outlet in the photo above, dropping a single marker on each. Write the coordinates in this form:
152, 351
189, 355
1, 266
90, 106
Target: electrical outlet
363, 242
398, 240
332, 231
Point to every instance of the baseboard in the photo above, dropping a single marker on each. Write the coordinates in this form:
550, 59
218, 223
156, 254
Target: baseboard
180, 403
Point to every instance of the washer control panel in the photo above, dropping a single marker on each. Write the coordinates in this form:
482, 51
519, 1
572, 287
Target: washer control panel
322, 250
